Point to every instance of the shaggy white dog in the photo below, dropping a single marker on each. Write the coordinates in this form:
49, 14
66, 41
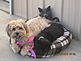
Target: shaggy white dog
36, 25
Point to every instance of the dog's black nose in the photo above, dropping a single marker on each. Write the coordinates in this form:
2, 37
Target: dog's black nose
17, 33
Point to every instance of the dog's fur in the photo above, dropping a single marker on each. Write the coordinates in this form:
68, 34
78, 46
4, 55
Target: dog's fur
18, 30
36, 25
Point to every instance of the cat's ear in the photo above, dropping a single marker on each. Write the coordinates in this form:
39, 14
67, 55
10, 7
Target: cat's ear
40, 10
49, 7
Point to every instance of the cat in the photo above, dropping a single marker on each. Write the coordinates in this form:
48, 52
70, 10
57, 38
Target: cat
47, 13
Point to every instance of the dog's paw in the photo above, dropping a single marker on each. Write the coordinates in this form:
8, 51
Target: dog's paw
23, 52
15, 48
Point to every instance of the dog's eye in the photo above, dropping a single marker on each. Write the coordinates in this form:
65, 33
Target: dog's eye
20, 28
13, 29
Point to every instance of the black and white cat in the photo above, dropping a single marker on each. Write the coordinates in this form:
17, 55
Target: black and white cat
47, 13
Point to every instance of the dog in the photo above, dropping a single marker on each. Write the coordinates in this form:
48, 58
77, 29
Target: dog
18, 30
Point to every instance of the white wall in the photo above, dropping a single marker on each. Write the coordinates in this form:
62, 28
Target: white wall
29, 8
72, 16
20, 8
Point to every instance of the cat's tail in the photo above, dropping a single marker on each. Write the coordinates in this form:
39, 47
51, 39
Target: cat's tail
56, 19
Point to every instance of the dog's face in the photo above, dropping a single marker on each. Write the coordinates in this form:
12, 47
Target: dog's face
17, 29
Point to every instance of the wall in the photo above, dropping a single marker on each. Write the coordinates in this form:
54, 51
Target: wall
20, 8
29, 8
69, 11
72, 16
33, 7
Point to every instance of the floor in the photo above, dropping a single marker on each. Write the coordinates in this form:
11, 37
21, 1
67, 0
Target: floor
72, 53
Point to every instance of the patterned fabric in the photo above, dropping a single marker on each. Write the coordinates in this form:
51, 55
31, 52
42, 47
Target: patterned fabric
60, 44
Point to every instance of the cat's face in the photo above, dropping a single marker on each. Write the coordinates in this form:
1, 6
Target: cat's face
46, 12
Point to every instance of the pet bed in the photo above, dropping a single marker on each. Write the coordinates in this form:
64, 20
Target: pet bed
58, 45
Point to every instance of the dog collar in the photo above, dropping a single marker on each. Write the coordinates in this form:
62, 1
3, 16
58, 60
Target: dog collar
30, 41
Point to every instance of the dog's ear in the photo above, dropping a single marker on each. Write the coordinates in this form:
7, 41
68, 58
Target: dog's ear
25, 26
40, 10
8, 30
